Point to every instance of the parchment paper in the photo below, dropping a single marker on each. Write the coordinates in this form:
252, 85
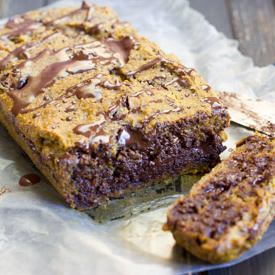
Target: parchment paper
39, 234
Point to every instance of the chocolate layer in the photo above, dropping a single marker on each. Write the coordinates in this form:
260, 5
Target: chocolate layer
141, 160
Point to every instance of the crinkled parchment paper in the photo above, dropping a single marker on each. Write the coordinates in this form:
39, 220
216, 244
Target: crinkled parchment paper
39, 234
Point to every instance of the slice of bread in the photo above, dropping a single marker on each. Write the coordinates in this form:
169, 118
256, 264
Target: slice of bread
230, 208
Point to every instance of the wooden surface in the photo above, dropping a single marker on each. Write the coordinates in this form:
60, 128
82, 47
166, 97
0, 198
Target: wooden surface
252, 23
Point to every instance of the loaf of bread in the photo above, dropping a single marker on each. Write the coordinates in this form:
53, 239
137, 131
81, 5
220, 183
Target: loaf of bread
102, 111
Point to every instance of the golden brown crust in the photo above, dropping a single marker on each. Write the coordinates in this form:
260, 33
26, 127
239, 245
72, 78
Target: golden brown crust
229, 209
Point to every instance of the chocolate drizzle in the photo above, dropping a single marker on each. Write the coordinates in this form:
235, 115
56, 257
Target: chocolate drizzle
88, 130
20, 51
111, 86
171, 66
123, 46
94, 30
14, 22
23, 97
179, 70
84, 6
29, 180
154, 115
182, 82
86, 89
84, 58
91, 30
26, 26
145, 66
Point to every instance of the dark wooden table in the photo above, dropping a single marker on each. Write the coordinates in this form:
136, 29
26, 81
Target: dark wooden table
252, 23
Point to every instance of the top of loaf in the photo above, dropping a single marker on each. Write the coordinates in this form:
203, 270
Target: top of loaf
73, 76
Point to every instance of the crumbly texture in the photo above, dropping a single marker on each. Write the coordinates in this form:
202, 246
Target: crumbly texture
229, 209
100, 109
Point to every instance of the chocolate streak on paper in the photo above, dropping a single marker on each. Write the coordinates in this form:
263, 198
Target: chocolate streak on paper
29, 180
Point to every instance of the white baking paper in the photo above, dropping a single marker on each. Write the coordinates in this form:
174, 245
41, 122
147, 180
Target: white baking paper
39, 234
